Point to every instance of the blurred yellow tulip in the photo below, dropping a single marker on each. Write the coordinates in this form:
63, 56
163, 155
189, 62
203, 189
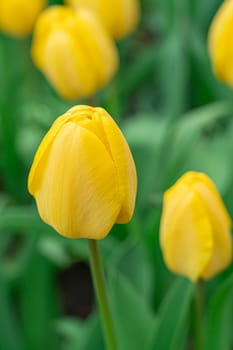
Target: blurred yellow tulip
220, 42
74, 51
83, 176
195, 228
17, 17
120, 17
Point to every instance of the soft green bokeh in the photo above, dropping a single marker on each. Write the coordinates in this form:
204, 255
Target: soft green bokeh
176, 117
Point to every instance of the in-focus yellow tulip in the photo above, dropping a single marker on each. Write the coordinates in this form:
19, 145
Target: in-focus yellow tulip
83, 176
17, 17
120, 17
195, 228
220, 42
74, 51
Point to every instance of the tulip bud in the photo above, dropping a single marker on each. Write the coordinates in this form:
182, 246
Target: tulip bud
17, 17
120, 17
220, 42
73, 51
83, 176
195, 228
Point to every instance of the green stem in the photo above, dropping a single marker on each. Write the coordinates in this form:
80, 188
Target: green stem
198, 317
101, 294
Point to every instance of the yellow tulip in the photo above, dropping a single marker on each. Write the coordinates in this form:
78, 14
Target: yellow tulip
195, 228
83, 176
220, 42
74, 51
17, 17
120, 17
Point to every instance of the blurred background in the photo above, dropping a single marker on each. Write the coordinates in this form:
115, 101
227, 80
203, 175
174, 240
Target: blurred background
176, 117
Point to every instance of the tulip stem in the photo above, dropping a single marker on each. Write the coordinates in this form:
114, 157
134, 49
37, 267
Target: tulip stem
198, 317
101, 294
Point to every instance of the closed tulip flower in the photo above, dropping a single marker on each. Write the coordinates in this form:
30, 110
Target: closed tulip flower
83, 176
195, 228
120, 17
74, 51
220, 43
17, 17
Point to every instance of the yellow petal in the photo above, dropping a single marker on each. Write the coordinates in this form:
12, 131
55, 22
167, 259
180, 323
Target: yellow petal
220, 222
17, 18
185, 232
120, 21
66, 67
41, 153
219, 41
100, 51
129, 18
123, 160
76, 190
210, 196
222, 250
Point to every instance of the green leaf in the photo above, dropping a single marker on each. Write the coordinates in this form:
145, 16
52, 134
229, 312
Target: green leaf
173, 95
38, 302
23, 219
187, 132
55, 250
140, 70
219, 317
94, 338
172, 318
71, 332
209, 152
130, 257
78, 334
146, 134
132, 315
11, 162
10, 338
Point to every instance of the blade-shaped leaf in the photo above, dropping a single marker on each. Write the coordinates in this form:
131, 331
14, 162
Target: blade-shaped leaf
10, 338
132, 315
77, 334
219, 317
172, 319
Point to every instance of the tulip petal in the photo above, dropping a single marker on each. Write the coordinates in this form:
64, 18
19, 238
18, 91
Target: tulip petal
105, 59
126, 23
121, 155
33, 181
67, 66
78, 192
221, 225
98, 121
120, 21
210, 196
222, 250
18, 17
219, 40
185, 232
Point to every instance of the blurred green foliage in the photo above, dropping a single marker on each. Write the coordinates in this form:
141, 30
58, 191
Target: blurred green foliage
176, 117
